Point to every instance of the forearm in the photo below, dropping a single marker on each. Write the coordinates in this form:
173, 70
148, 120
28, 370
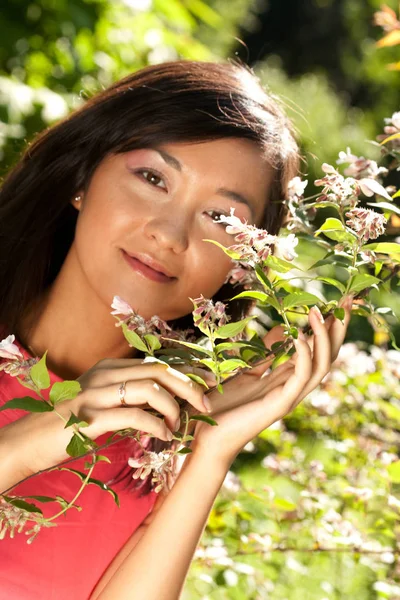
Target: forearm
157, 567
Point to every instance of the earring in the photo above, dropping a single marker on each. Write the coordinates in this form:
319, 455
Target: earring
78, 198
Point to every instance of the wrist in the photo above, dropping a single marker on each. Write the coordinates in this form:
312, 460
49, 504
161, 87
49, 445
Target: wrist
211, 459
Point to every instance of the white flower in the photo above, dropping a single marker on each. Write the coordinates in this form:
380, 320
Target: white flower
8, 349
394, 120
285, 246
296, 187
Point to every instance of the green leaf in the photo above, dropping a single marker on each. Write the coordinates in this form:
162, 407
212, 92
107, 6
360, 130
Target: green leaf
64, 390
133, 339
76, 446
283, 504
74, 420
230, 253
185, 451
300, 299
153, 342
29, 404
262, 277
204, 418
334, 282
339, 313
39, 373
362, 281
210, 364
394, 472
93, 481
41, 498
386, 206
254, 295
232, 329
335, 230
196, 347
384, 248
231, 364
279, 265
197, 379
24, 505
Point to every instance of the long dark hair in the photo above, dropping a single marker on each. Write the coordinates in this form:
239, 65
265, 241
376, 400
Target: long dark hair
183, 101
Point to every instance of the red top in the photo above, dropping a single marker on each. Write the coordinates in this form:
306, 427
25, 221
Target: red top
65, 562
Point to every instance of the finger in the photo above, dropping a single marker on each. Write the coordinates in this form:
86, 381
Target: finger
338, 329
302, 371
276, 334
115, 419
175, 382
137, 393
321, 356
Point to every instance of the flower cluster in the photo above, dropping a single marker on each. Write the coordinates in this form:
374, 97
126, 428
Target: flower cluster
207, 314
360, 167
255, 245
14, 363
159, 465
154, 326
367, 223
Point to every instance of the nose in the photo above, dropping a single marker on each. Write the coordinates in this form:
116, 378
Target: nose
169, 232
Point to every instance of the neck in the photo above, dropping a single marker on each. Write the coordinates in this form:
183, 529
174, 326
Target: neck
74, 326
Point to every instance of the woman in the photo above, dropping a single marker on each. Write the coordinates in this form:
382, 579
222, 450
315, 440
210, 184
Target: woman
117, 200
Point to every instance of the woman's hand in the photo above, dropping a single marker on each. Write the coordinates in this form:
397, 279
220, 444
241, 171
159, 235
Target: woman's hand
148, 385
257, 398
38, 441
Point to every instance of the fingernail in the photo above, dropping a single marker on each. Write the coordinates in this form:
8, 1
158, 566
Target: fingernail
318, 313
170, 435
177, 424
207, 404
302, 335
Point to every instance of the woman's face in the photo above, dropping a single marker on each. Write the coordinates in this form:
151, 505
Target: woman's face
157, 206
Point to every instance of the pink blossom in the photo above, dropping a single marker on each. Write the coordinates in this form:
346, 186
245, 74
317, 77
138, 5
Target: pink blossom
10, 350
338, 189
360, 167
159, 465
253, 245
208, 314
241, 275
394, 120
367, 223
121, 307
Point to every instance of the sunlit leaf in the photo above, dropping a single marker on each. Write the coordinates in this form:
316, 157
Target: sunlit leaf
64, 390
232, 329
300, 299
362, 281
39, 373
133, 339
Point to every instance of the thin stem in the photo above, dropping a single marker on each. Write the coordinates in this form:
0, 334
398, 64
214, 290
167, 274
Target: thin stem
70, 504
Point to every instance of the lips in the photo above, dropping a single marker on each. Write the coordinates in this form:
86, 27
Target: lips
146, 266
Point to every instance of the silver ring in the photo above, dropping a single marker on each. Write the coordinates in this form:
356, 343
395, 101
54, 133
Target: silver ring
121, 393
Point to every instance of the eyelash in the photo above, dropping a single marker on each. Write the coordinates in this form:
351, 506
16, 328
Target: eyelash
160, 176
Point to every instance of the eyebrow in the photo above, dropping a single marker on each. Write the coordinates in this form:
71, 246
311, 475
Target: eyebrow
175, 164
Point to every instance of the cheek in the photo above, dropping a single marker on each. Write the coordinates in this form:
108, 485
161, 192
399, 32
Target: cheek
210, 269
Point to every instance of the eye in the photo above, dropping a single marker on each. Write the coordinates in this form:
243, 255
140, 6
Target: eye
152, 177
215, 214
